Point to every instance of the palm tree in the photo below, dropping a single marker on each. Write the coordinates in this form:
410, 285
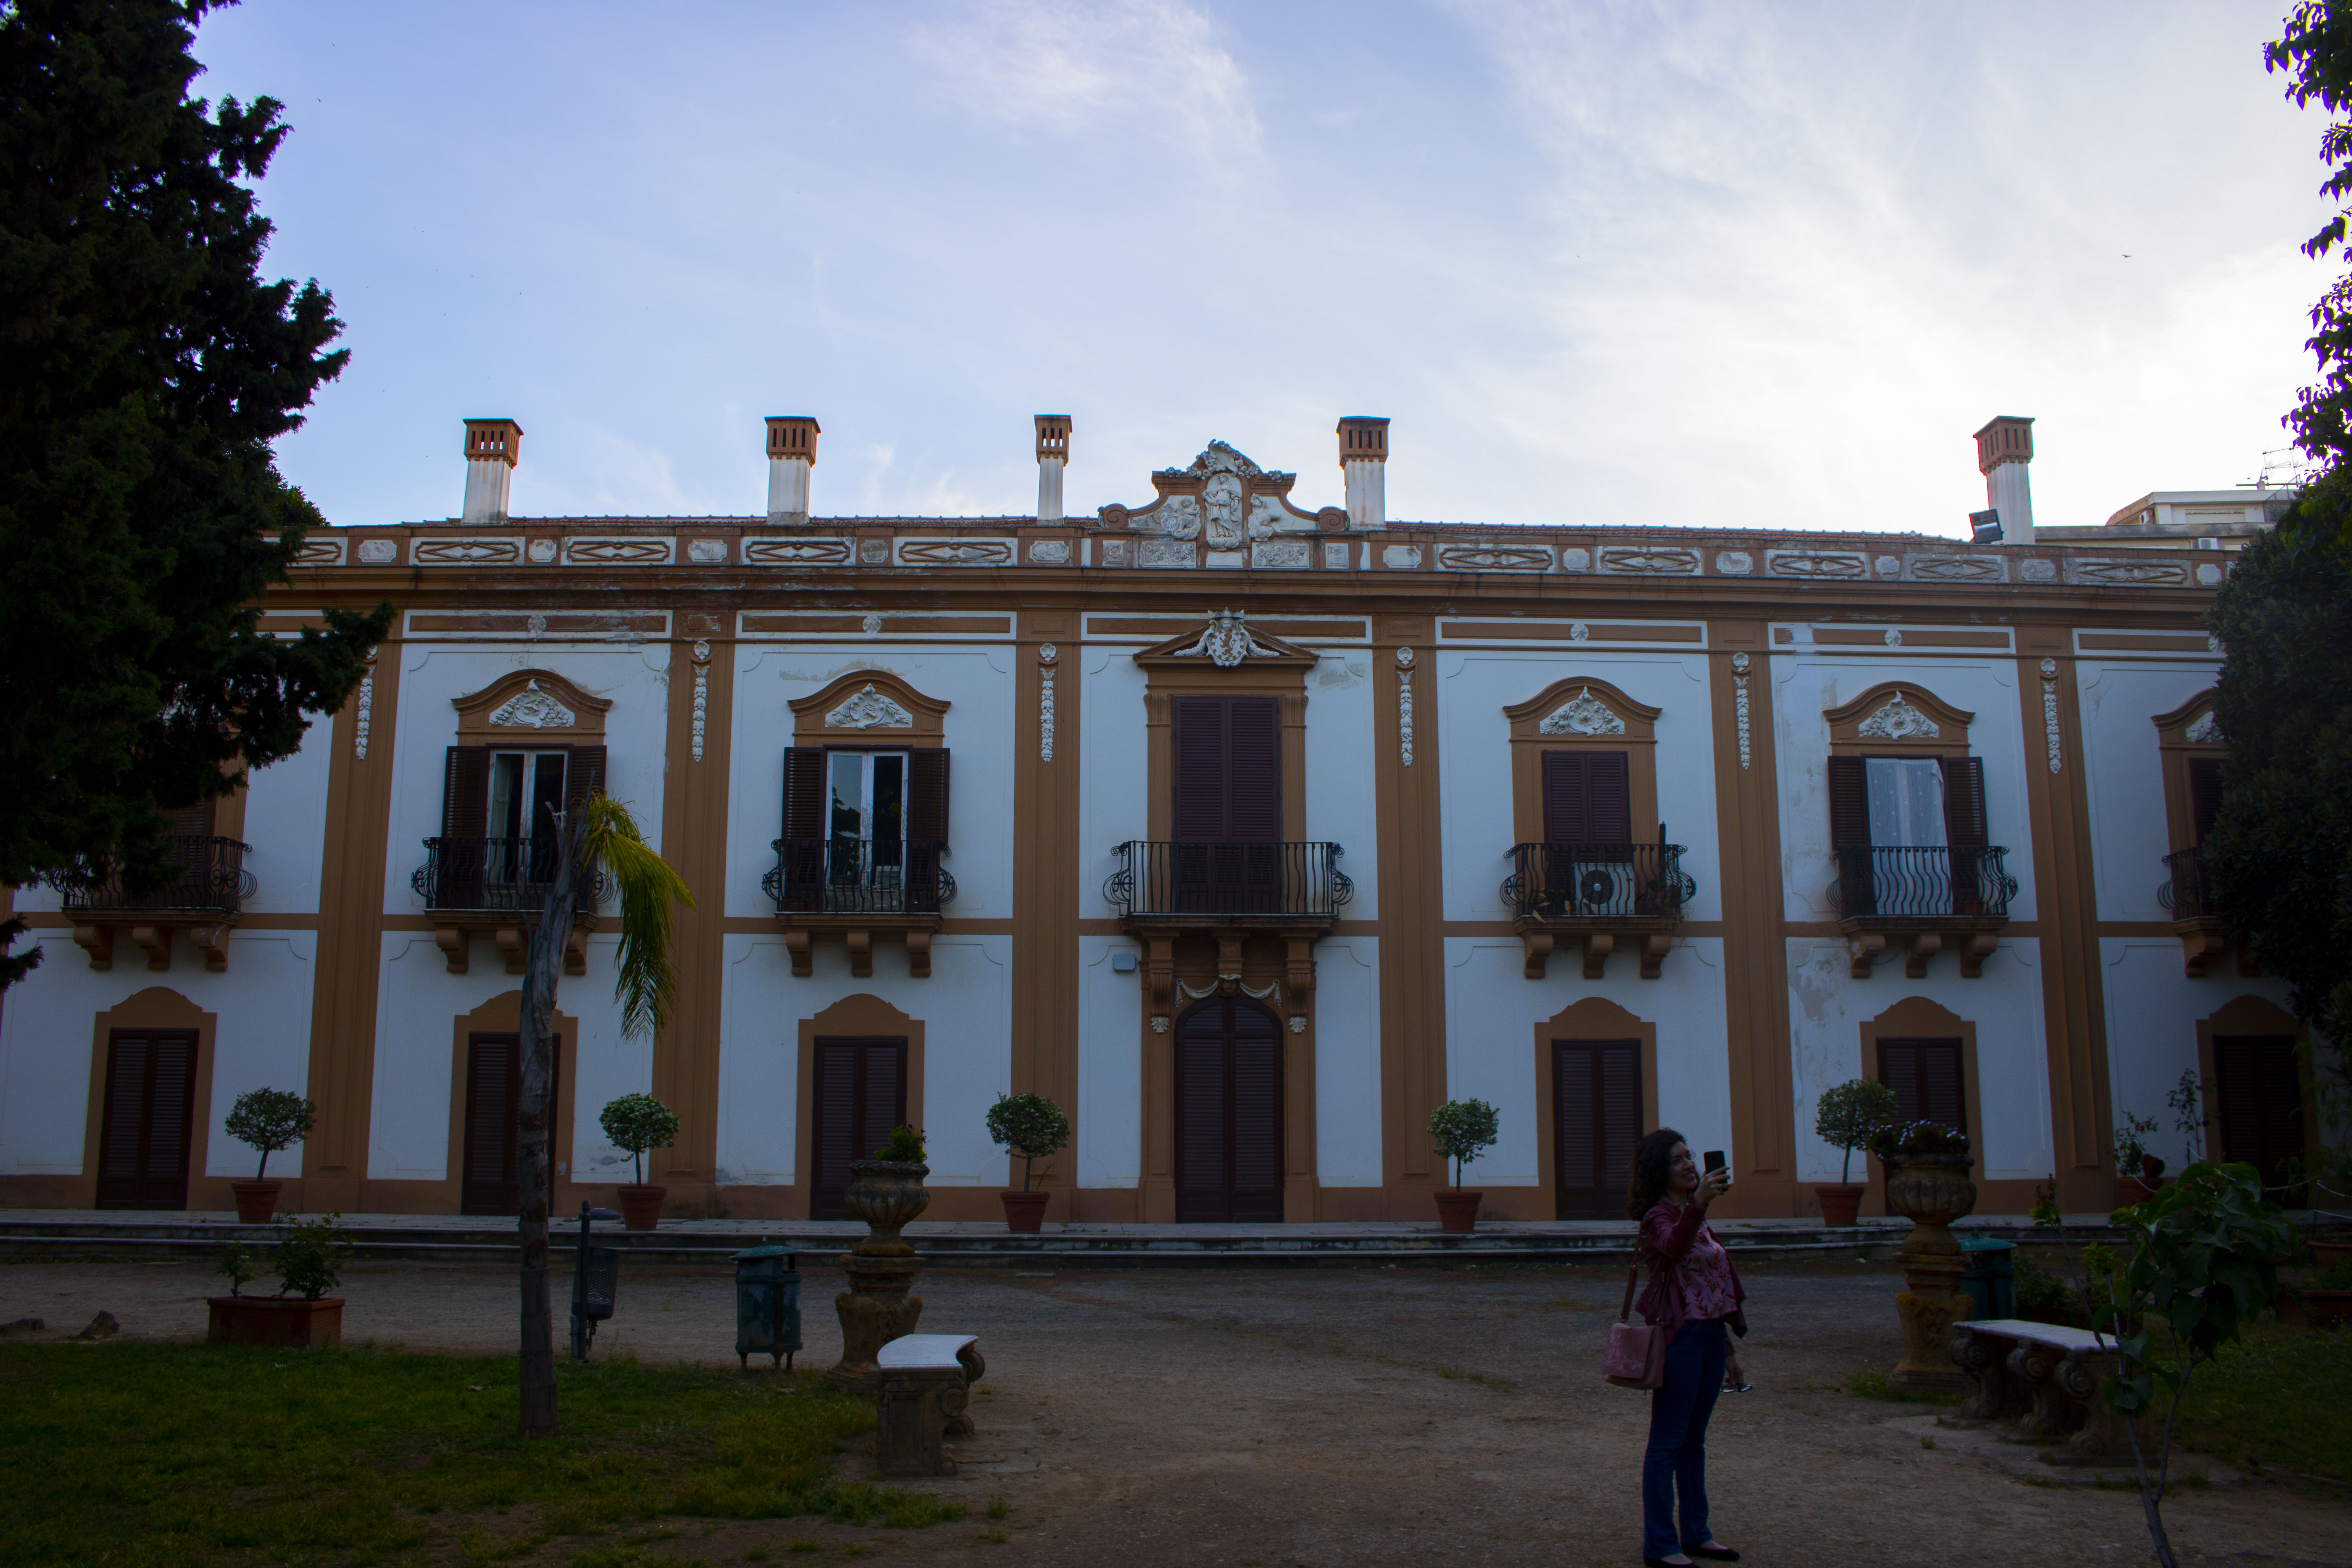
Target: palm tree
598, 834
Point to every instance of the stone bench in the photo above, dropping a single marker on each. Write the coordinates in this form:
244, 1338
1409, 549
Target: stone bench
2046, 1378
923, 1398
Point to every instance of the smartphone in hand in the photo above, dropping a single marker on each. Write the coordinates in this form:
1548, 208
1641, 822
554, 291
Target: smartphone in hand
1715, 1160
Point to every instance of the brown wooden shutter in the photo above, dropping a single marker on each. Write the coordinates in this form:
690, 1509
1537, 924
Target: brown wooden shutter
858, 1097
1565, 815
465, 793
1197, 734
491, 1183
1596, 1122
2204, 796
2259, 1084
1257, 1113
1608, 809
1849, 802
1253, 812
1202, 1112
194, 821
1228, 1059
143, 1132
804, 792
583, 776
1925, 1075
926, 795
1964, 801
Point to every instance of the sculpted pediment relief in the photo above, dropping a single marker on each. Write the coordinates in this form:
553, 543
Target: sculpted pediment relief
1226, 642
1221, 497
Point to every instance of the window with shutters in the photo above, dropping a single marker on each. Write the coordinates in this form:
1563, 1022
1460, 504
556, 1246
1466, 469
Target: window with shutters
490, 1180
2191, 752
530, 747
146, 1119
1926, 1077
857, 1096
2258, 1110
1228, 1068
1596, 1121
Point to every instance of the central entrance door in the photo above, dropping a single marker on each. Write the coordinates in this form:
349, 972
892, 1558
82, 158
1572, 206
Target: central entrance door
1229, 1112
493, 1179
1596, 1120
143, 1144
858, 1097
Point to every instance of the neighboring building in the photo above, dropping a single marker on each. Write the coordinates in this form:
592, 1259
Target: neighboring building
1248, 832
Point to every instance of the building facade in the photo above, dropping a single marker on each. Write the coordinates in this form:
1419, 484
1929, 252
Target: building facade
1247, 833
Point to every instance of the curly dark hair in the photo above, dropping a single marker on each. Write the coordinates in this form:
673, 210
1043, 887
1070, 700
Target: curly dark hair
1652, 1171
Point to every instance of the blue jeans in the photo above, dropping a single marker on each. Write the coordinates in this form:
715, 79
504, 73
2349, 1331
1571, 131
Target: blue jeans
1676, 1458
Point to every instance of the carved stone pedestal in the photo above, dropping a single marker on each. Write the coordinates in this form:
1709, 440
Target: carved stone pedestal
877, 1306
1931, 1192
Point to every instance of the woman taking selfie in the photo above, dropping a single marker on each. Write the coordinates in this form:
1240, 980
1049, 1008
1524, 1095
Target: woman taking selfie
1694, 1294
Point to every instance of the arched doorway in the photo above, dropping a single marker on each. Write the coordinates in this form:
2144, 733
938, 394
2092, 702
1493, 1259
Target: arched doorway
1229, 1112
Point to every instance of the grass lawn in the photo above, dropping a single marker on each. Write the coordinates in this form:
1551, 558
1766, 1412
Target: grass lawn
190, 1454
2276, 1404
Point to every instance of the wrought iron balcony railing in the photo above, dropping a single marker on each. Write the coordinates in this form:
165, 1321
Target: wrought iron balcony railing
2186, 892
211, 879
1597, 882
1161, 877
494, 876
1880, 881
859, 876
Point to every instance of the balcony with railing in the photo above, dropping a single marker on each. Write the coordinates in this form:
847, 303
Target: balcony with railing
1604, 897
2188, 895
1175, 884
206, 891
500, 885
857, 887
1925, 895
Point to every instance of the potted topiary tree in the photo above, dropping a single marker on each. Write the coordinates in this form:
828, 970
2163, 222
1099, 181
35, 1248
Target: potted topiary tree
636, 1122
1462, 1129
1844, 1120
1032, 1127
308, 1260
272, 1121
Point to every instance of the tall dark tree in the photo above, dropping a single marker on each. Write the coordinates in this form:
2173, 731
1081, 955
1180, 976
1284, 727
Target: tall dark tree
145, 368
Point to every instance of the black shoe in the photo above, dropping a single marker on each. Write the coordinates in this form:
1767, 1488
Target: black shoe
1660, 1563
1712, 1551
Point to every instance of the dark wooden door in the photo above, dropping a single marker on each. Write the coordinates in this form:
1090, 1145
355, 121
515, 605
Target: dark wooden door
1926, 1078
859, 1095
143, 1141
1229, 1112
1596, 1121
492, 1178
1226, 820
2259, 1085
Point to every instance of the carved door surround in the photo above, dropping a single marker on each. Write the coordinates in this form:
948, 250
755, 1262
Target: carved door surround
2187, 742
864, 710
1583, 712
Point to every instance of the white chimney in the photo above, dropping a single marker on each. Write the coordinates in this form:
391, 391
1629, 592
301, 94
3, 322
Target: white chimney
1363, 459
1053, 453
492, 447
2004, 449
791, 453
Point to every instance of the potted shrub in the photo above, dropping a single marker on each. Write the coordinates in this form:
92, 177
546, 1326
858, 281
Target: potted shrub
2138, 1172
272, 1121
308, 1261
1462, 1129
1844, 1120
636, 1122
1032, 1127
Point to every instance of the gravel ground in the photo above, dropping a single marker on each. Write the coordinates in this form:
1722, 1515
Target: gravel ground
1323, 1417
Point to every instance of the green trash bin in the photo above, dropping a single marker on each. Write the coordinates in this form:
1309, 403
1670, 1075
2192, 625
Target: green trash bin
767, 1304
1991, 1279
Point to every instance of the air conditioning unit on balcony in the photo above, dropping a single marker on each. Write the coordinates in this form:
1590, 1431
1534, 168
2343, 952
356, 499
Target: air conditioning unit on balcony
1602, 886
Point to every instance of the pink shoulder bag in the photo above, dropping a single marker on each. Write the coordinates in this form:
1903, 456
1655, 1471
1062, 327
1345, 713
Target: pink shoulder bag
1636, 1357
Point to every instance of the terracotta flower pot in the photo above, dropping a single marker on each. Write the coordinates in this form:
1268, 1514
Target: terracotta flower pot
1840, 1203
641, 1205
1024, 1213
274, 1320
255, 1201
1457, 1210
2152, 1169
2133, 1191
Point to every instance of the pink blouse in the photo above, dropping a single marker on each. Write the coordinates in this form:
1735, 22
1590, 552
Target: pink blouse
1691, 1276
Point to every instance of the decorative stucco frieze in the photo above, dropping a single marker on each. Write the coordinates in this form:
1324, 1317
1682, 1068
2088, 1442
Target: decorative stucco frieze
1335, 553
1404, 705
1815, 566
532, 708
1400, 557
1049, 552
874, 552
2128, 573
2037, 570
378, 551
2205, 731
363, 715
317, 551
624, 551
462, 552
1739, 704
1575, 558
1280, 555
1941, 568
1734, 563
1226, 641
1178, 516
1647, 561
701, 694
1897, 720
955, 552
868, 709
706, 551
1493, 558
1114, 552
1168, 552
796, 552
1046, 656
540, 551
1583, 714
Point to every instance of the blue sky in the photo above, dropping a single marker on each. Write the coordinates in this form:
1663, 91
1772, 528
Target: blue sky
1694, 265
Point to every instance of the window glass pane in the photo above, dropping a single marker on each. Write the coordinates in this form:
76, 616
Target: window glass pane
1906, 801
506, 795
848, 772
887, 779
546, 793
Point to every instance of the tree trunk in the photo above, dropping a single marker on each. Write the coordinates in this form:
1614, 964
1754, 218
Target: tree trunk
542, 969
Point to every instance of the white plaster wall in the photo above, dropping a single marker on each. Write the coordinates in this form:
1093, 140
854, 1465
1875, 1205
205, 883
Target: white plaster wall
1803, 685
1348, 1062
1827, 1008
261, 1038
418, 1003
1464, 711
1108, 1147
966, 1008
2153, 1010
1114, 770
635, 680
980, 731
1492, 1010
2123, 776
1343, 806
286, 823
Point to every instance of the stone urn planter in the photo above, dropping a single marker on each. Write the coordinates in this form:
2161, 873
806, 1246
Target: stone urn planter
1457, 1210
877, 1308
274, 1320
1840, 1203
1024, 1213
1931, 1190
641, 1205
255, 1201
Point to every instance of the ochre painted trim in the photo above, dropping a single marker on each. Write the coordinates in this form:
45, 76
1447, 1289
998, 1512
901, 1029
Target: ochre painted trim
1586, 1018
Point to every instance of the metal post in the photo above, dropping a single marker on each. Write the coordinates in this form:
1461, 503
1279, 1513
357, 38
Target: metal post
583, 1330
